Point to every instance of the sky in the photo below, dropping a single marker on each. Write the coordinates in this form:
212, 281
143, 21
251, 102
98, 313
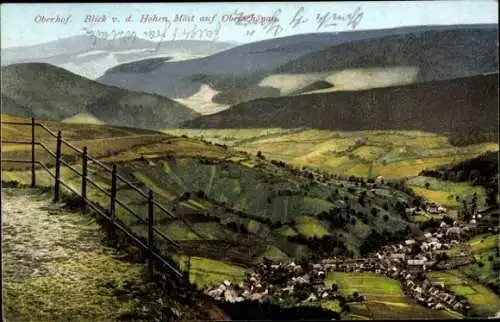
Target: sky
27, 24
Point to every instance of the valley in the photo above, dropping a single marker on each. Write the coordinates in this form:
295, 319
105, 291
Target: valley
337, 175
235, 210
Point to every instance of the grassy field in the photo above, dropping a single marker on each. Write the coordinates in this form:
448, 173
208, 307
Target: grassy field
207, 272
483, 300
373, 286
485, 249
483, 242
55, 267
384, 298
94, 136
311, 227
445, 192
391, 154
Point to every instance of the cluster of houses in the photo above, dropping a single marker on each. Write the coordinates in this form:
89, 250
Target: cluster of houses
400, 261
262, 285
427, 209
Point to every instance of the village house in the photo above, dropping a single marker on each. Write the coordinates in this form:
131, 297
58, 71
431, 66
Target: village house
398, 256
438, 284
409, 242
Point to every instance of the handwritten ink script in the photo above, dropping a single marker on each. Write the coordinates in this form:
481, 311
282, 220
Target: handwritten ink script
181, 26
323, 20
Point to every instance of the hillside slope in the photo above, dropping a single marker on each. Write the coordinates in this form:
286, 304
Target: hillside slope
75, 276
233, 207
438, 54
349, 60
439, 107
46, 91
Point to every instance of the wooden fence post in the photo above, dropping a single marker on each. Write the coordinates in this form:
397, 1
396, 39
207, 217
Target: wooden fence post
84, 177
112, 203
33, 142
150, 233
57, 185
187, 268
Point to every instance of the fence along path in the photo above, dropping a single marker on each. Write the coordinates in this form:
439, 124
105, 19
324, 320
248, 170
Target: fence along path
110, 214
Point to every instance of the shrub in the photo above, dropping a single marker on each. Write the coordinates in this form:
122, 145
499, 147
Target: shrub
185, 196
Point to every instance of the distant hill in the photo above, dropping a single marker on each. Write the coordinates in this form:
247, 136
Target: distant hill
89, 57
438, 54
43, 90
352, 60
439, 107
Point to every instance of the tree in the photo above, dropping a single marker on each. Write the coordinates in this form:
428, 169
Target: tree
496, 266
335, 287
259, 155
427, 185
361, 200
415, 248
491, 197
185, 196
386, 218
448, 220
467, 215
442, 256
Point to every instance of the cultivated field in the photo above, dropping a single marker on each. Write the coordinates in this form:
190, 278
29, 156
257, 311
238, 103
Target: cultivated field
384, 298
485, 249
391, 154
445, 192
482, 299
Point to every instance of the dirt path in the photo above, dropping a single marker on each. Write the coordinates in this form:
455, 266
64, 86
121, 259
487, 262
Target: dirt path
55, 266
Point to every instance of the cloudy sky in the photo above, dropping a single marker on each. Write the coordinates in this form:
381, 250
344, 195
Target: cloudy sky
26, 24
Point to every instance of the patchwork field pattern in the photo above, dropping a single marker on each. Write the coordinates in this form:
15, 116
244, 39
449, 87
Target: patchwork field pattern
483, 300
391, 154
384, 298
233, 209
